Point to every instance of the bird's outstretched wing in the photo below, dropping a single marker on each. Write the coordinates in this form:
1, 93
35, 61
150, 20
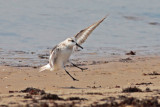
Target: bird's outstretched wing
83, 34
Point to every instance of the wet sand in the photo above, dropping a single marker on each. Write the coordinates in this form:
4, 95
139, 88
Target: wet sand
102, 84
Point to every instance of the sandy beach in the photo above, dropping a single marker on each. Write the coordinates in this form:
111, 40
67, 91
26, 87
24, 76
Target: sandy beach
104, 83
116, 76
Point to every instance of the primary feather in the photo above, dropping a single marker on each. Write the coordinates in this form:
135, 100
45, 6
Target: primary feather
83, 34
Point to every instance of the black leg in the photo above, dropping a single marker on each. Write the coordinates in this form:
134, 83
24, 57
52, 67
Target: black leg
71, 75
78, 67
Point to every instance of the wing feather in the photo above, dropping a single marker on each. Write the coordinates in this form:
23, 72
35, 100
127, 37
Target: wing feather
83, 34
53, 49
53, 56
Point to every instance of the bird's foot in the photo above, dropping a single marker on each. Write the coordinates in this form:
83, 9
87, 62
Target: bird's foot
84, 69
75, 79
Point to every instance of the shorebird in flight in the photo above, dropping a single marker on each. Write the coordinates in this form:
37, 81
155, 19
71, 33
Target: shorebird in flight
60, 54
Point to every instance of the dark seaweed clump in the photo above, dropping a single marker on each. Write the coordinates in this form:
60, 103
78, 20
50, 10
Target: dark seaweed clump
46, 96
131, 53
33, 91
75, 98
128, 101
143, 83
140, 103
49, 96
131, 89
152, 74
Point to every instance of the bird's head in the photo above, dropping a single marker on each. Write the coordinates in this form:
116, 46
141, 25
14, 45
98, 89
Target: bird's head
71, 42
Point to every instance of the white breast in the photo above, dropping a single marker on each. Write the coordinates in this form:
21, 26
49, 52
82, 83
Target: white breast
62, 58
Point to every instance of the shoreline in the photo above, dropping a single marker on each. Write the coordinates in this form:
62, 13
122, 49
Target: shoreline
21, 58
103, 79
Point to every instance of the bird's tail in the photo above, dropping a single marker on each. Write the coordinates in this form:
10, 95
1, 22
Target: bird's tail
46, 67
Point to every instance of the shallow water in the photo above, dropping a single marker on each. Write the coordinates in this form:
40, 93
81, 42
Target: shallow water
38, 25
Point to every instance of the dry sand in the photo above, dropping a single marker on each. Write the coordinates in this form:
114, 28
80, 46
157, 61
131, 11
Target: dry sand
100, 85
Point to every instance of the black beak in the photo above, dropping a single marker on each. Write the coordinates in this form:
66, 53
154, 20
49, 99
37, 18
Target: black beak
79, 45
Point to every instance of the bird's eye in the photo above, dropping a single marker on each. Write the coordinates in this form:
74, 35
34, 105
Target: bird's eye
72, 40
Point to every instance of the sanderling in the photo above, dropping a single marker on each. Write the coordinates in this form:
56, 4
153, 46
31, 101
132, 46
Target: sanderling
60, 54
